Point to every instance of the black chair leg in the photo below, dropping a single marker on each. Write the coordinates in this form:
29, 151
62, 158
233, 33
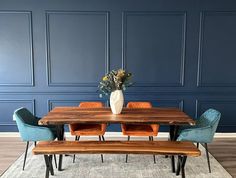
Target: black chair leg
100, 139
55, 159
35, 143
154, 157
26, 150
103, 138
76, 139
126, 158
197, 145
208, 159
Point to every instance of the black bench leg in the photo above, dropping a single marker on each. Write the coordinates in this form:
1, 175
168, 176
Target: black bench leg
50, 165
60, 163
55, 159
178, 165
173, 163
47, 162
183, 165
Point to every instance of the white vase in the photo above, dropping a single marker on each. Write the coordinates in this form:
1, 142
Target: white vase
116, 101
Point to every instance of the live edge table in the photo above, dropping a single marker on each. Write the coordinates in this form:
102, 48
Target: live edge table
60, 116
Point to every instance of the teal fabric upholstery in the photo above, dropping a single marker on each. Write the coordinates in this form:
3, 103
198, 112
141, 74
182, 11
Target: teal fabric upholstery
29, 129
204, 130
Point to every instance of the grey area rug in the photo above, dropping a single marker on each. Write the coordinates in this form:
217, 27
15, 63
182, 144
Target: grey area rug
114, 166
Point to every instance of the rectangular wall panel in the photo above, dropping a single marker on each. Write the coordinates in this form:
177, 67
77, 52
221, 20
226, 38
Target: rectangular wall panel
163, 103
225, 107
56, 103
77, 47
16, 55
154, 47
9, 106
217, 54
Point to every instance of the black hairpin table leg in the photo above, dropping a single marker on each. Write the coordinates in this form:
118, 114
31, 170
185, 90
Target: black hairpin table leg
173, 136
60, 136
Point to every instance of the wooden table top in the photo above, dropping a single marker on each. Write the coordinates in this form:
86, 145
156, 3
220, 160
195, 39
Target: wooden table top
70, 115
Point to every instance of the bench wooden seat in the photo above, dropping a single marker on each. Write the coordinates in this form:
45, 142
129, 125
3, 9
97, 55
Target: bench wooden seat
182, 149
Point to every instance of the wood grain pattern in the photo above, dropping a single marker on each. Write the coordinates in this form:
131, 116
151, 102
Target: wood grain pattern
117, 147
70, 115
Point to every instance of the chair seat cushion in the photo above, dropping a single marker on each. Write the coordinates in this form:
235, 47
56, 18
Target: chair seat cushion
87, 129
138, 130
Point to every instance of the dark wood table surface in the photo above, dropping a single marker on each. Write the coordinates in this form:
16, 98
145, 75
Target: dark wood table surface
173, 117
70, 115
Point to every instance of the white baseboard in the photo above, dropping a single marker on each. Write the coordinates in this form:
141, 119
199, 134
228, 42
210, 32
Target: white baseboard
119, 134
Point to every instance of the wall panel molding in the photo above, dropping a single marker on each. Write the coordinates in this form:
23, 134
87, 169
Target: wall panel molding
224, 109
170, 102
203, 15
16, 101
28, 16
183, 15
49, 61
66, 102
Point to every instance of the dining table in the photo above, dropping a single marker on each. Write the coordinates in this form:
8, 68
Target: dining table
173, 117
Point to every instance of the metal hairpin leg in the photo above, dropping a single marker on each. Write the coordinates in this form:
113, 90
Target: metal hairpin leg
126, 159
173, 136
208, 159
76, 139
49, 167
154, 157
100, 141
181, 165
26, 150
55, 159
60, 136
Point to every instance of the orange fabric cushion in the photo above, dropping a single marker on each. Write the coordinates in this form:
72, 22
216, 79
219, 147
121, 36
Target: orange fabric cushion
140, 129
88, 129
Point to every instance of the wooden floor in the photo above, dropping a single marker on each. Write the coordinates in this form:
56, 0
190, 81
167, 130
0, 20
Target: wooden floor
224, 150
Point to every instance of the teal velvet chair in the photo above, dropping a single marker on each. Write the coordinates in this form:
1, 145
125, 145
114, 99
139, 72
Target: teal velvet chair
30, 130
203, 131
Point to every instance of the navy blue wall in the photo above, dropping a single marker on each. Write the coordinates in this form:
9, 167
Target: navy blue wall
182, 54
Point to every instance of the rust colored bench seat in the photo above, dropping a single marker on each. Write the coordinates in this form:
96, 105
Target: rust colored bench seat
181, 149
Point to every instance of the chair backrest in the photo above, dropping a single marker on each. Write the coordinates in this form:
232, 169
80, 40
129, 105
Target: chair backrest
23, 115
97, 104
139, 105
211, 118
91, 104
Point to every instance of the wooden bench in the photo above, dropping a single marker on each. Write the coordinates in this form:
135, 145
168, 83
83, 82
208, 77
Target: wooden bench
181, 149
